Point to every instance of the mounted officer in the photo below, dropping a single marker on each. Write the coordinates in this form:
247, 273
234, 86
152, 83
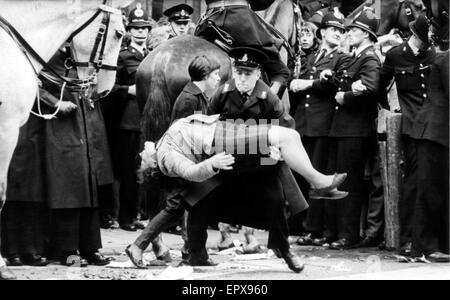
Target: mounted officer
179, 18
236, 18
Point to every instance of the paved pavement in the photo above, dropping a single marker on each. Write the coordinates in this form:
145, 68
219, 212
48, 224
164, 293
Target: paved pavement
321, 263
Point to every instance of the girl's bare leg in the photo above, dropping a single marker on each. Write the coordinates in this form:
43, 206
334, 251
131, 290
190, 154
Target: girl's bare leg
293, 152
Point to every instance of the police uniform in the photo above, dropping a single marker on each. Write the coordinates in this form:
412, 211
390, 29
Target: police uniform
238, 19
313, 111
411, 73
260, 196
128, 138
179, 14
351, 133
430, 233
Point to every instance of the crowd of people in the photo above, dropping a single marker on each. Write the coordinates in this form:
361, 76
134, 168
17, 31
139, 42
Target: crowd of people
80, 172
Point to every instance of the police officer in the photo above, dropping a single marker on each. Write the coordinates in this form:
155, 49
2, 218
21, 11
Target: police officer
430, 235
352, 130
179, 18
246, 97
238, 19
128, 137
409, 63
313, 107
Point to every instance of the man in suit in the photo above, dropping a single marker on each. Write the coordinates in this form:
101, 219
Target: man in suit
313, 108
409, 63
238, 19
179, 17
352, 130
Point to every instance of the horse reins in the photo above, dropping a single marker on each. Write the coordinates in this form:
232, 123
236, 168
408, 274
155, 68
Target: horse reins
49, 73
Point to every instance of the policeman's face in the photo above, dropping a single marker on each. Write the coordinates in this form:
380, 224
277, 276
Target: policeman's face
212, 80
307, 40
332, 36
245, 79
139, 35
180, 28
418, 42
356, 36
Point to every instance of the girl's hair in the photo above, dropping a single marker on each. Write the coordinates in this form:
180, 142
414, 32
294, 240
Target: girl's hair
201, 66
309, 27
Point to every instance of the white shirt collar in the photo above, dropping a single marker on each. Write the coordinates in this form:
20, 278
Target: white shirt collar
414, 49
359, 50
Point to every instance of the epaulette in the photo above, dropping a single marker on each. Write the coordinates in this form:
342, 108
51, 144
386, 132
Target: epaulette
226, 88
263, 95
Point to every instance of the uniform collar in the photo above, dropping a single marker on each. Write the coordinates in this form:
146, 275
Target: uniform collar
413, 48
360, 50
140, 50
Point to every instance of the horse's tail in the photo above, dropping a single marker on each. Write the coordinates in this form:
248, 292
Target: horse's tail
157, 109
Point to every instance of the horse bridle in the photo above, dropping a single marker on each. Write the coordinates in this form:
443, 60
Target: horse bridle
49, 73
404, 4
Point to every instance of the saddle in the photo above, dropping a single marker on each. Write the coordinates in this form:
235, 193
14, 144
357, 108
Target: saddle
209, 31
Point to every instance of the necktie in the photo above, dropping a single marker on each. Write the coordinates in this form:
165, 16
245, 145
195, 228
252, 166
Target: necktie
244, 97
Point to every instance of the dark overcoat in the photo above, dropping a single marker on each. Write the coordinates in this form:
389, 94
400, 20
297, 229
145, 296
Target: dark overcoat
76, 150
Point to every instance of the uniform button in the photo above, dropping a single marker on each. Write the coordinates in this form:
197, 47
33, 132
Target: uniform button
423, 85
403, 72
339, 90
308, 96
311, 77
425, 96
342, 80
421, 65
421, 75
337, 107
314, 68
307, 105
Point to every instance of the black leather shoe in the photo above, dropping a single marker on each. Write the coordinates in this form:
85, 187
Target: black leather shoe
405, 250
305, 240
97, 259
166, 257
201, 262
293, 262
6, 274
128, 227
14, 261
342, 244
34, 260
138, 225
370, 241
322, 241
439, 257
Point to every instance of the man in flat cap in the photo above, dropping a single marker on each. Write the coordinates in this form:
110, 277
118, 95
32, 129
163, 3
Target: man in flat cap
179, 17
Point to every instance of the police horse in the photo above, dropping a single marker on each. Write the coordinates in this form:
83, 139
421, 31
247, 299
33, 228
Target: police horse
31, 32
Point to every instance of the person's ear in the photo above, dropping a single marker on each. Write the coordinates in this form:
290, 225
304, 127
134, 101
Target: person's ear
258, 73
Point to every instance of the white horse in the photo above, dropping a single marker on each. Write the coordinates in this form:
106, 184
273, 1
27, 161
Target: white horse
46, 25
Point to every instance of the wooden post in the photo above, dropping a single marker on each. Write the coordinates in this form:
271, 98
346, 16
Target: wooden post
391, 157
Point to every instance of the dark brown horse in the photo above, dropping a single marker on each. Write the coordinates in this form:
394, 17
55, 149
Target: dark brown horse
162, 76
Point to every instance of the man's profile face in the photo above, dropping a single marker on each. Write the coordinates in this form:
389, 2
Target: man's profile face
180, 28
356, 36
245, 78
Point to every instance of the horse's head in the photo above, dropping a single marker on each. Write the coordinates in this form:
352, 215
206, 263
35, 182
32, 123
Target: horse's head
408, 11
438, 13
95, 48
